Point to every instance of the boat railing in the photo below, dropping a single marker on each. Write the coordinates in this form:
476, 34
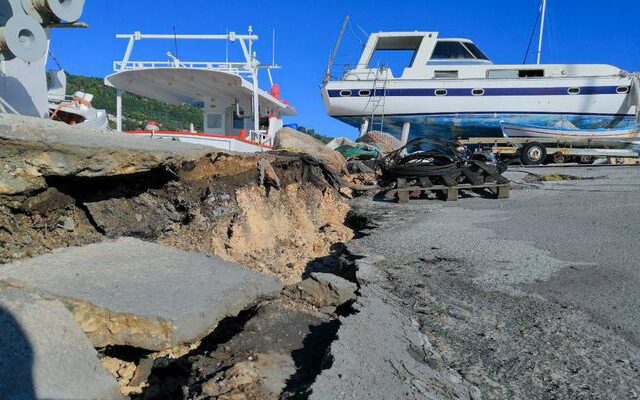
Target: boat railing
233, 68
355, 72
261, 137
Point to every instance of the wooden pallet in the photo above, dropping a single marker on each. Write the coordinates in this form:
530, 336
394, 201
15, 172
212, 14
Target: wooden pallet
484, 178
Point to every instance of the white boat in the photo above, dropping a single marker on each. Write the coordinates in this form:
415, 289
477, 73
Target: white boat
560, 132
73, 110
237, 115
449, 88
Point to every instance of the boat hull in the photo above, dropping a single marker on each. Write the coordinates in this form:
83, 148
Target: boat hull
527, 131
226, 143
600, 103
464, 126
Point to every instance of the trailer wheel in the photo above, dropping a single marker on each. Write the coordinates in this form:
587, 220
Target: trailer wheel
558, 158
588, 160
533, 154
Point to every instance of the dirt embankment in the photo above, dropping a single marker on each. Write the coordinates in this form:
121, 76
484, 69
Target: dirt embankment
279, 214
214, 204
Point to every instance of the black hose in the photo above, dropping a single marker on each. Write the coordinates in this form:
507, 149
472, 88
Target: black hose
443, 158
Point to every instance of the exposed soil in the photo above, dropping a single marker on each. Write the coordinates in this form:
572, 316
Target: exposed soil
215, 205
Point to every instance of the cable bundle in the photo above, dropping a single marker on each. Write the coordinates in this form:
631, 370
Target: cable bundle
443, 157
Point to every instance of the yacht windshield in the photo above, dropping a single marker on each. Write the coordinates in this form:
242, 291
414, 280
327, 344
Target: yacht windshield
451, 50
475, 51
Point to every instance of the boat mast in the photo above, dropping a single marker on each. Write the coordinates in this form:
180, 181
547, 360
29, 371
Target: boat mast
544, 12
332, 58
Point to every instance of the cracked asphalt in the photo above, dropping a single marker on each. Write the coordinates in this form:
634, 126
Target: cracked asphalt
533, 297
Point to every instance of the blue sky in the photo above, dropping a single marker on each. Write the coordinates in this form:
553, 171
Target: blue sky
579, 31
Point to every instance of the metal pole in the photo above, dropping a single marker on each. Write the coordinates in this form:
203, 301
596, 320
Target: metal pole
256, 102
544, 12
404, 138
332, 58
119, 110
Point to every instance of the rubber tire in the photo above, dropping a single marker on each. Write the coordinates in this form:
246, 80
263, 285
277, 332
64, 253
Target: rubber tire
586, 160
558, 158
533, 154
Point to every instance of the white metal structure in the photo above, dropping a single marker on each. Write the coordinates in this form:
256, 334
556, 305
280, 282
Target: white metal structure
544, 15
449, 88
222, 89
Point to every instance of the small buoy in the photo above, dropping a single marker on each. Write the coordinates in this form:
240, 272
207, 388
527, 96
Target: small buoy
275, 91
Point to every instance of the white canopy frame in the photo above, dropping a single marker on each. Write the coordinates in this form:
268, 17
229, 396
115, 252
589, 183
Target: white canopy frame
249, 67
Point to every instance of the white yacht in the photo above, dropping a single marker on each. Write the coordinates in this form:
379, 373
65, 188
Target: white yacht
451, 89
237, 115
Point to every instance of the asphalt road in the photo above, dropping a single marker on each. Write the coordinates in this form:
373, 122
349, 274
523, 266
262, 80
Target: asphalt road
594, 225
533, 297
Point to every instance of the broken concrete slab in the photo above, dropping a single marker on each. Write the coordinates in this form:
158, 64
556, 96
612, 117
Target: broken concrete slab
135, 293
33, 149
323, 290
44, 353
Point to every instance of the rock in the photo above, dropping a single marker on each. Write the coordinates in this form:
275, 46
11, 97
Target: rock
268, 174
339, 141
297, 142
322, 290
67, 223
112, 365
359, 167
134, 293
386, 142
148, 216
45, 354
211, 388
142, 372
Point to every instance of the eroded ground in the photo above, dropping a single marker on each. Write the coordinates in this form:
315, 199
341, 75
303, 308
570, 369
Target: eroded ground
532, 297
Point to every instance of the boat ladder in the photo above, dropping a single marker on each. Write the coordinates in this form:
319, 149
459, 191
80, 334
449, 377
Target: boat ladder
377, 100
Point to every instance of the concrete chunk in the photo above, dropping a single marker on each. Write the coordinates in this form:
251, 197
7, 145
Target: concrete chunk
44, 353
131, 292
323, 290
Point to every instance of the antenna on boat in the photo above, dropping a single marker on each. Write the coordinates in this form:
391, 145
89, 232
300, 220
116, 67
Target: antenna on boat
273, 47
175, 42
544, 11
332, 58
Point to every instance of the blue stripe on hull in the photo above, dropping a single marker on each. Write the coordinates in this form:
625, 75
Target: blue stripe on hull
452, 126
547, 91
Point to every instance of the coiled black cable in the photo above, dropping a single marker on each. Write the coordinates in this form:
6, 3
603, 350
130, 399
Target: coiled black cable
443, 157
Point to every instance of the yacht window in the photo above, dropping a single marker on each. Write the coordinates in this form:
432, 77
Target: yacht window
365, 93
575, 90
502, 74
238, 121
441, 92
531, 73
214, 121
477, 53
446, 74
477, 92
451, 51
395, 52
622, 89
345, 93
395, 60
